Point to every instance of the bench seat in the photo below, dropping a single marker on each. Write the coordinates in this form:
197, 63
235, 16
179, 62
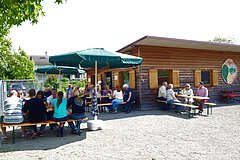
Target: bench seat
209, 105
25, 124
192, 108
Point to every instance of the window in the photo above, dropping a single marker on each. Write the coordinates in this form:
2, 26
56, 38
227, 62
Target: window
126, 79
209, 77
157, 76
206, 77
163, 76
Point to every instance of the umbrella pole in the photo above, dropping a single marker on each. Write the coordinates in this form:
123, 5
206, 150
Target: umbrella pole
60, 83
95, 117
96, 77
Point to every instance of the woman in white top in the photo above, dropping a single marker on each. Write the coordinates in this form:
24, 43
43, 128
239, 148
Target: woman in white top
171, 98
189, 92
118, 95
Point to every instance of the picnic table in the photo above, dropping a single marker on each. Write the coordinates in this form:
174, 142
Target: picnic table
194, 97
99, 97
209, 105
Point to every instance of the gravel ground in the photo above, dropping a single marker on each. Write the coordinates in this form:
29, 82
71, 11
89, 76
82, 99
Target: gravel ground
141, 135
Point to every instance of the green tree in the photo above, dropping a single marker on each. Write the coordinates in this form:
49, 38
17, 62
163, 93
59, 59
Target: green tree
52, 82
15, 12
14, 65
5, 53
223, 40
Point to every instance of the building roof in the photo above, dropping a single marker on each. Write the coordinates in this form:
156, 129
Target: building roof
40, 60
181, 43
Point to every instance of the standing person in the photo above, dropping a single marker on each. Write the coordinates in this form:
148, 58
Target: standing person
37, 111
76, 103
50, 104
189, 92
60, 112
118, 98
202, 92
128, 98
162, 92
12, 112
69, 91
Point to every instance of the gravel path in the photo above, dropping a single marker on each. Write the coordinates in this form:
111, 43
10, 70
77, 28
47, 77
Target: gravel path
141, 135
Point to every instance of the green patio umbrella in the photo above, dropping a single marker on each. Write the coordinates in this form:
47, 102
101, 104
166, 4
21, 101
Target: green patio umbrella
127, 61
87, 59
59, 70
95, 58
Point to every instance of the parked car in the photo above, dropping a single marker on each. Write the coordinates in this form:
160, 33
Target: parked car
18, 87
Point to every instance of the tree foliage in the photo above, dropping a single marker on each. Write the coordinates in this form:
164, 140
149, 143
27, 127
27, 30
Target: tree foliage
14, 65
17, 65
52, 82
223, 40
15, 12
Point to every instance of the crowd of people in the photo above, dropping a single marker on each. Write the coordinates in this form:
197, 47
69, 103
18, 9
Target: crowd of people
166, 93
34, 109
116, 97
52, 105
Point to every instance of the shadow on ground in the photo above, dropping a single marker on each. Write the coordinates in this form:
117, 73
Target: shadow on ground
49, 141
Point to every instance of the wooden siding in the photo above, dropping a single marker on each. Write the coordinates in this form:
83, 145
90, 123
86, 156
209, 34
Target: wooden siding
186, 61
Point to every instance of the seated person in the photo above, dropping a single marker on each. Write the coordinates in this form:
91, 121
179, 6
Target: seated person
40, 95
50, 105
171, 98
47, 92
118, 98
202, 92
78, 110
12, 112
107, 92
69, 91
36, 111
162, 92
99, 93
60, 112
189, 92
128, 98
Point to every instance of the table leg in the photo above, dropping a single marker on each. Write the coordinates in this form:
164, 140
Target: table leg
78, 127
13, 135
207, 110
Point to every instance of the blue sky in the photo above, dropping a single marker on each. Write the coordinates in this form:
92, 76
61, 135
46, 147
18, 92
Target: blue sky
112, 24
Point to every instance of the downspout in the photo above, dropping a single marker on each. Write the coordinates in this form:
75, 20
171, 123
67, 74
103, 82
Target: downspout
139, 81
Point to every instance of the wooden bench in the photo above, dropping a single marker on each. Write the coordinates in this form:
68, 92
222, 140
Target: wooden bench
26, 124
229, 95
163, 102
191, 108
209, 105
101, 105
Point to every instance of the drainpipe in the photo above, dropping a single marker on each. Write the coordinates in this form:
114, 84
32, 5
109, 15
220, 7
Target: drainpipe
139, 80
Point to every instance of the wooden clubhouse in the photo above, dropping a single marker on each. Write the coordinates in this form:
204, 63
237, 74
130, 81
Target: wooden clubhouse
176, 61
